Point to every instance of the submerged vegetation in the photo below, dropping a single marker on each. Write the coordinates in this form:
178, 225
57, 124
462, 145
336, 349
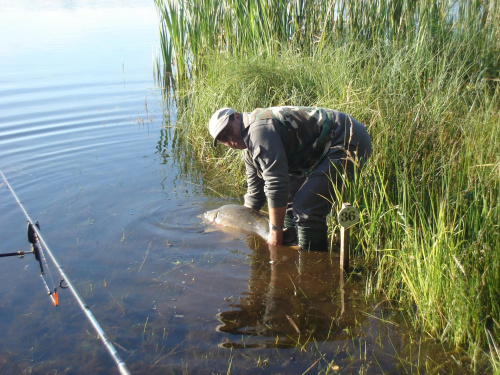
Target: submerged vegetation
424, 78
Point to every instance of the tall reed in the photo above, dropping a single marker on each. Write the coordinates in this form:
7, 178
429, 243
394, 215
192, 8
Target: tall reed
423, 76
193, 27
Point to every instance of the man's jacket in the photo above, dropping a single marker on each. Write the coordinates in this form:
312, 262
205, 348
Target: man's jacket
283, 141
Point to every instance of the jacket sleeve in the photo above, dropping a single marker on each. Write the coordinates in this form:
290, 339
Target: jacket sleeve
268, 152
255, 196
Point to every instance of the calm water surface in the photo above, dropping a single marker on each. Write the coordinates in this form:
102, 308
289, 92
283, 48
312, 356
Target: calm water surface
82, 143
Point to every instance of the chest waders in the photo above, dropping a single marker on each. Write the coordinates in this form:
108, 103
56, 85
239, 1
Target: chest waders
309, 234
312, 235
313, 238
319, 144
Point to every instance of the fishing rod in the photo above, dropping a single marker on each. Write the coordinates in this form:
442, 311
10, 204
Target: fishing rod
36, 239
36, 249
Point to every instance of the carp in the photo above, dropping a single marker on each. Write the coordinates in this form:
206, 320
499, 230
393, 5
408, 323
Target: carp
246, 220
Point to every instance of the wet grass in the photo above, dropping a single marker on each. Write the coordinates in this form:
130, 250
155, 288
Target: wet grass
423, 77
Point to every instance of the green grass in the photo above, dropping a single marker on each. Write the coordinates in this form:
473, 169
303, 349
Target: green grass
423, 77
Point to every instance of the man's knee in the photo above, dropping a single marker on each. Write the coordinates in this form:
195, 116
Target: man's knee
314, 209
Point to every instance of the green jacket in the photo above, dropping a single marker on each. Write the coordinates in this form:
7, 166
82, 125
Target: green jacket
289, 140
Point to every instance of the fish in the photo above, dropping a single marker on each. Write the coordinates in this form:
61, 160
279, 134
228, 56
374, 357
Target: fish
245, 219
239, 217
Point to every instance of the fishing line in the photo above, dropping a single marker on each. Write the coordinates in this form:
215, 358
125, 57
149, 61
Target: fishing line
39, 241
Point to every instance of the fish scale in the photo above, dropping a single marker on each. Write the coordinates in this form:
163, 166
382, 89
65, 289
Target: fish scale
246, 220
239, 217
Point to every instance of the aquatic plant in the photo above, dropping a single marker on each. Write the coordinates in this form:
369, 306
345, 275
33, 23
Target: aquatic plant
423, 77
189, 29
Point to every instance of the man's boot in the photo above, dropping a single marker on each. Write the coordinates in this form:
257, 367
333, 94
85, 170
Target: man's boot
313, 238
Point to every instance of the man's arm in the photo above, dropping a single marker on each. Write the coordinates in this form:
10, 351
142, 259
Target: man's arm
276, 219
255, 197
271, 158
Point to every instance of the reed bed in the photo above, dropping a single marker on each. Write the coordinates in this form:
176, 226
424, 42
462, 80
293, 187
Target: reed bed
424, 78
189, 29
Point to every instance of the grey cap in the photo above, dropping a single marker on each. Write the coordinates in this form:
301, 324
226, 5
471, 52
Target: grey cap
218, 122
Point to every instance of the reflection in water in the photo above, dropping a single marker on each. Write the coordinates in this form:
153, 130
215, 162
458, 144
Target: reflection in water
293, 297
118, 204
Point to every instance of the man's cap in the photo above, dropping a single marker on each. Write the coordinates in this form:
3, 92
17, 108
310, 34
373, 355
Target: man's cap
218, 122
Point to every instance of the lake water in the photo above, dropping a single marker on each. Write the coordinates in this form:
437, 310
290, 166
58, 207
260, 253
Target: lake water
83, 144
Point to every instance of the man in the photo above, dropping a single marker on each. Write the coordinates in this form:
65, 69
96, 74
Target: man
293, 156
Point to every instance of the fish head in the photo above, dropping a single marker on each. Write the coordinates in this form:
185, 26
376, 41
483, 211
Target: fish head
211, 216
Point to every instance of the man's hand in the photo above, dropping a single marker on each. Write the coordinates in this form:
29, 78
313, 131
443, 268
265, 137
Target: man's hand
247, 206
276, 218
275, 237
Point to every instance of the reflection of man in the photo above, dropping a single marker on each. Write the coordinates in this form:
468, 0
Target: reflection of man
291, 295
293, 157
